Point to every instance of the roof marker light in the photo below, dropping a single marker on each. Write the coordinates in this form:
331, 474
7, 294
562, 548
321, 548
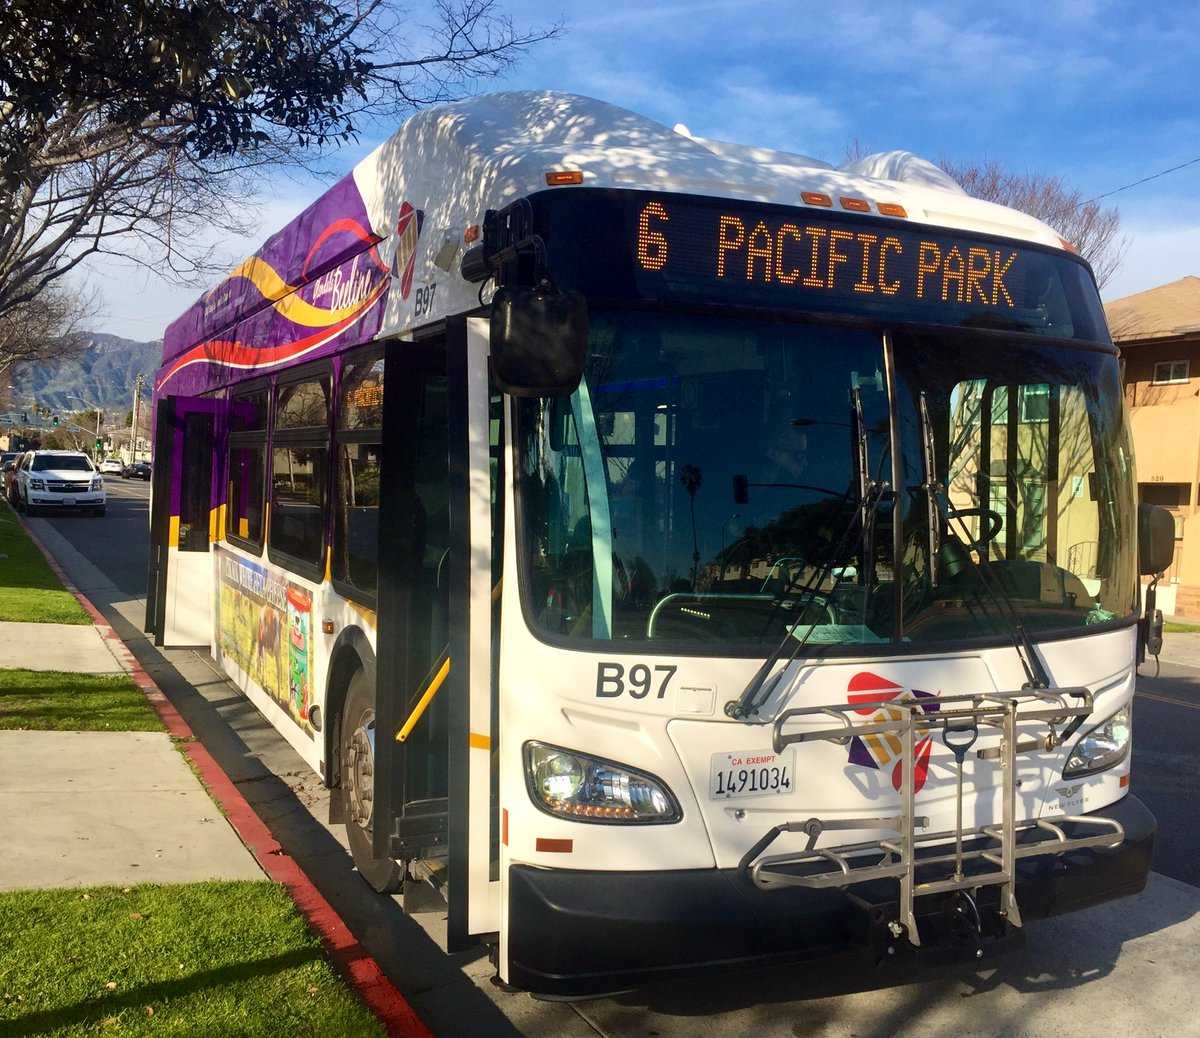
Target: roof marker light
857, 205
891, 209
471, 234
1069, 246
815, 198
563, 177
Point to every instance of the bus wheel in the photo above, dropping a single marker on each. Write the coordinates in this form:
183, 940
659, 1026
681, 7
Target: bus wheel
357, 787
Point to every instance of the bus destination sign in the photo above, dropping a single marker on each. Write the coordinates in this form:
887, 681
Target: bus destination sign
802, 259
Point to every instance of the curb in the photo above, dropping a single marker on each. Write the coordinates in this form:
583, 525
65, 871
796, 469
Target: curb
356, 965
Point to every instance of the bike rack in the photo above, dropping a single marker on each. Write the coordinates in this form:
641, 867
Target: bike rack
899, 858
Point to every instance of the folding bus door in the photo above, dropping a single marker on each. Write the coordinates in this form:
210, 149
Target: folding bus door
434, 738
179, 606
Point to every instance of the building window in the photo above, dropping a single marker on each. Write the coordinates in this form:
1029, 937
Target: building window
1170, 372
1035, 403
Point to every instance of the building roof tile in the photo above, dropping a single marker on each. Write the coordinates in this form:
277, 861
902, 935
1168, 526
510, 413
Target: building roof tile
1163, 312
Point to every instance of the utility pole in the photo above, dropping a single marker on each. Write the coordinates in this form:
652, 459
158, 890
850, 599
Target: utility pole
138, 382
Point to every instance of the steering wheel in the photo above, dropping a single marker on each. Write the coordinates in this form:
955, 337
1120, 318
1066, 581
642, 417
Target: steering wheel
995, 521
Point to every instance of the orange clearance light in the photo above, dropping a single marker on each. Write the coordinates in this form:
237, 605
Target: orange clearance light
891, 209
547, 845
1124, 781
328, 626
471, 234
1068, 246
562, 177
857, 205
815, 198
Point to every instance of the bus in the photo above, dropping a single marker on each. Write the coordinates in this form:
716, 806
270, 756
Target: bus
677, 554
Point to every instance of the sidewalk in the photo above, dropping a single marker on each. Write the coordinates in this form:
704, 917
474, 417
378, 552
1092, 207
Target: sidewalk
1181, 648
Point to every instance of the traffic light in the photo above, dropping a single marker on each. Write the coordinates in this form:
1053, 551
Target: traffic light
99, 443
54, 421
24, 417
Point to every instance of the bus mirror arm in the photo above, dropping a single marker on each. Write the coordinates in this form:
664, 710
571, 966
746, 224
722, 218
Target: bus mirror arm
538, 340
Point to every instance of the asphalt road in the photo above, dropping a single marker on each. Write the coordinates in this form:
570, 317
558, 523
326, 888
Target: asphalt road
1073, 967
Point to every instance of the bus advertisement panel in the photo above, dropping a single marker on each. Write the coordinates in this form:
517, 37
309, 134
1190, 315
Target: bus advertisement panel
265, 622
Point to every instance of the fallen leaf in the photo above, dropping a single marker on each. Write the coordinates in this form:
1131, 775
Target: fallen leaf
111, 985
149, 1010
312, 989
108, 1021
136, 915
86, 897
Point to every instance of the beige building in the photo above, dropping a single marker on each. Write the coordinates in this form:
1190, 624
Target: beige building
1159, 334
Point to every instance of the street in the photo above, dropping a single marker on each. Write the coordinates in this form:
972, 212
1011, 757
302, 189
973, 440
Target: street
1135, 952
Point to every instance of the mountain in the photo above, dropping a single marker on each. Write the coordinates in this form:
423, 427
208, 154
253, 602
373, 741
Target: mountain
102, 375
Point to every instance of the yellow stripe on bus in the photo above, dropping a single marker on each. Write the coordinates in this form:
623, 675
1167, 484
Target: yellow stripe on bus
173, 532
479, 741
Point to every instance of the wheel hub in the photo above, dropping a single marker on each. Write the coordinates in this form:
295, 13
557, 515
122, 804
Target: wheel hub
360, 771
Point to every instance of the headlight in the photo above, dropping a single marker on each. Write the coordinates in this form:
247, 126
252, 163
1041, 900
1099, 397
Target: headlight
98, 483
37, 484
587, 789
1103, 747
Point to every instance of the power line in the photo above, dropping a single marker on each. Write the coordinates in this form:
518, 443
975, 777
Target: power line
1144, 180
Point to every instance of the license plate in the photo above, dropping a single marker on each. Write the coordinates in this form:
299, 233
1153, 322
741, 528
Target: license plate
750, 773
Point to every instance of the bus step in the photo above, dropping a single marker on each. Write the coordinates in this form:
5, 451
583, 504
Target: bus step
426, 888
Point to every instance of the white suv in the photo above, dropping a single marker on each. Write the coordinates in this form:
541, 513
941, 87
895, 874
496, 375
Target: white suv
65, 480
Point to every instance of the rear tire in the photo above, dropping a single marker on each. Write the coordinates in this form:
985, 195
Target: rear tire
356, 786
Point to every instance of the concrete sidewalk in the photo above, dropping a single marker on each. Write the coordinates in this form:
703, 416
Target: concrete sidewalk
1180, 648
89, 808
74, 648
84, 808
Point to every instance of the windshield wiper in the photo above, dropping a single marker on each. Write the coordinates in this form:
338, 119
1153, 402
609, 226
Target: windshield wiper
992, 585
749, 700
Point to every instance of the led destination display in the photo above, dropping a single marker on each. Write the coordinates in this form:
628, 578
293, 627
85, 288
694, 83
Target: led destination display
688, 248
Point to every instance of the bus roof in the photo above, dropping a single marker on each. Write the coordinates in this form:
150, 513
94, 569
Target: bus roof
324, 281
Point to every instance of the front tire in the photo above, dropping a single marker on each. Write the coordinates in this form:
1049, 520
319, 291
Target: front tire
356, 786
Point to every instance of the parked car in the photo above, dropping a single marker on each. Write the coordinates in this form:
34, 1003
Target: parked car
138, 470
112, 466
64, 480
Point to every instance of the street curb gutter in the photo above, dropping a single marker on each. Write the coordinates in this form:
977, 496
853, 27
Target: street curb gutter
352, 960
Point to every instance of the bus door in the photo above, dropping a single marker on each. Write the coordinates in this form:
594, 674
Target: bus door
179, 588
434, 735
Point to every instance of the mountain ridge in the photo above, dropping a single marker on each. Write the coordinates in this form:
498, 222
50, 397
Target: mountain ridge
102, 374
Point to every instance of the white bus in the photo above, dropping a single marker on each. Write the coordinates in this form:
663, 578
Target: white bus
681, 554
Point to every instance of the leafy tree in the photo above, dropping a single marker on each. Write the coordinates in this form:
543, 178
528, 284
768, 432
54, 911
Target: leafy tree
44, 327
126, 125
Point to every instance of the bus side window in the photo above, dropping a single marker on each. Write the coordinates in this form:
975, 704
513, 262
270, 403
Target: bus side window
358, 454
299, 466
247, 468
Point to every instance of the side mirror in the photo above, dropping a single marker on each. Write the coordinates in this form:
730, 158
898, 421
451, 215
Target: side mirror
1156, 539
538, 341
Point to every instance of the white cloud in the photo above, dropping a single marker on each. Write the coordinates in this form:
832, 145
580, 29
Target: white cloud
1156, 256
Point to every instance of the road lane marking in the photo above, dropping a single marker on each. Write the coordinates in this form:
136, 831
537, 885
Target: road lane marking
1167, 699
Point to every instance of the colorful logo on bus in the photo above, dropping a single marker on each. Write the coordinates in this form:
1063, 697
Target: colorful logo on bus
408, 232
882, 750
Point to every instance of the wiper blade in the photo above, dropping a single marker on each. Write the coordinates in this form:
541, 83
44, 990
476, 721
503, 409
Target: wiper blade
748, 702
1035, 672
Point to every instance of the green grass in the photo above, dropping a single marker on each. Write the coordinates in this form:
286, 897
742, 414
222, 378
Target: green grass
1174, 627
29, 590
192, 959
50, 701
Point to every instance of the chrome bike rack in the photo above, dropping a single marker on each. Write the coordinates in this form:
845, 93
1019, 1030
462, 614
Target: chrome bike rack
958, 718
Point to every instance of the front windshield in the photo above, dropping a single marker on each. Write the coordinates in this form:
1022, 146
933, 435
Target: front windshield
61, 463
703, 487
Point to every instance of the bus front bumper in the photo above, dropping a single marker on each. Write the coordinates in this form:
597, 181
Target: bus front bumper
578, 933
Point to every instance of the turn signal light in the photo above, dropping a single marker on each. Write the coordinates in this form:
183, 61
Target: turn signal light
563, 177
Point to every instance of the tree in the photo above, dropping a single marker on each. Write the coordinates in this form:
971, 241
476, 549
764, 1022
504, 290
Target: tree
44, 327
1093, 229
127, 126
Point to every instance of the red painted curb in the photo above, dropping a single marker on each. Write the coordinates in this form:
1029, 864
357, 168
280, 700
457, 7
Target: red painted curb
351, 959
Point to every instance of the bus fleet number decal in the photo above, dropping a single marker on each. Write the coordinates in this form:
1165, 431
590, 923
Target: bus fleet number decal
424, 299
613, 680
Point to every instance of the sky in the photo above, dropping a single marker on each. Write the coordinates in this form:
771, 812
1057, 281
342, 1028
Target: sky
1099, 93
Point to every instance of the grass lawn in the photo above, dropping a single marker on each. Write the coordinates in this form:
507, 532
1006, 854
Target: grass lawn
50, 701
1174, 627
29, 590
192, 959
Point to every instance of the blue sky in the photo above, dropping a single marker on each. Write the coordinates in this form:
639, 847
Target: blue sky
1099, 93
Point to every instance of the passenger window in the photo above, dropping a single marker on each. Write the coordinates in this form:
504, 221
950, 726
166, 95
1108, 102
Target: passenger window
359, 454
247, 468
299, 471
